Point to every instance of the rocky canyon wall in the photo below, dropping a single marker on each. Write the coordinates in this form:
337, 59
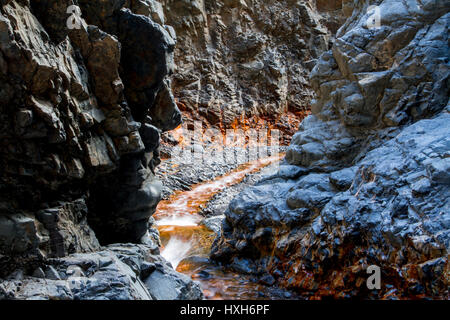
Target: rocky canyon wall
239, 61
83, 104
366, 180
82, 107
81, 117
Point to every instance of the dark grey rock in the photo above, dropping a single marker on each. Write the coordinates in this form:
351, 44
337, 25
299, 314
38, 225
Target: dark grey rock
16, 275
166, 284
375, 151
24, 118
213, 223
342, 180
52, 274
79, 150
304, 198
39, 273
19, 234
115, 273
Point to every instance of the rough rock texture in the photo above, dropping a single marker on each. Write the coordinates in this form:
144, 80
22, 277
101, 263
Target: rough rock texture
81, 113
240, 58
118, 272
71, 125
366, 179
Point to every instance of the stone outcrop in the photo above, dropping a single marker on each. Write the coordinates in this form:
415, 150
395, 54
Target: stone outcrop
366, 178
118, 272
82, 106
244, 59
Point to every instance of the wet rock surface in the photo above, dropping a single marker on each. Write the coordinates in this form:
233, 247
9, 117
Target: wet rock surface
217, 206
365, 179
188, 224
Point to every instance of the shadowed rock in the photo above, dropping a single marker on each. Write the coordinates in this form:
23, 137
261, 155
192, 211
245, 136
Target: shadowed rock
76, 172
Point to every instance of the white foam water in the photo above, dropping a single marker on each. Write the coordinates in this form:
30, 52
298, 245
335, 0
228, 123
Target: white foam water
179, 221
176, 250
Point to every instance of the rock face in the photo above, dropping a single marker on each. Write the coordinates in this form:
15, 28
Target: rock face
238, 58
71, 125
118, 272
82, 107
366, 178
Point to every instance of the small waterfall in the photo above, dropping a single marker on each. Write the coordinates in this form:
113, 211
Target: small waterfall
176, 250
187, 243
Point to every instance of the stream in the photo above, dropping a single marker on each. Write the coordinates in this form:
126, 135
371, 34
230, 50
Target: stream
187, 243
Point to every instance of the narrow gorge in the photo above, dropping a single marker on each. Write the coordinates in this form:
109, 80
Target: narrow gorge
224, 149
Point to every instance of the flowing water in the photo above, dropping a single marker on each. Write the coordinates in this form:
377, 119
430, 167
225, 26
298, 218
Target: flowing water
187, 243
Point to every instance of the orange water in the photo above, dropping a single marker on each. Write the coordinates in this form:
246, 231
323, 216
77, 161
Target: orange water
186, 243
